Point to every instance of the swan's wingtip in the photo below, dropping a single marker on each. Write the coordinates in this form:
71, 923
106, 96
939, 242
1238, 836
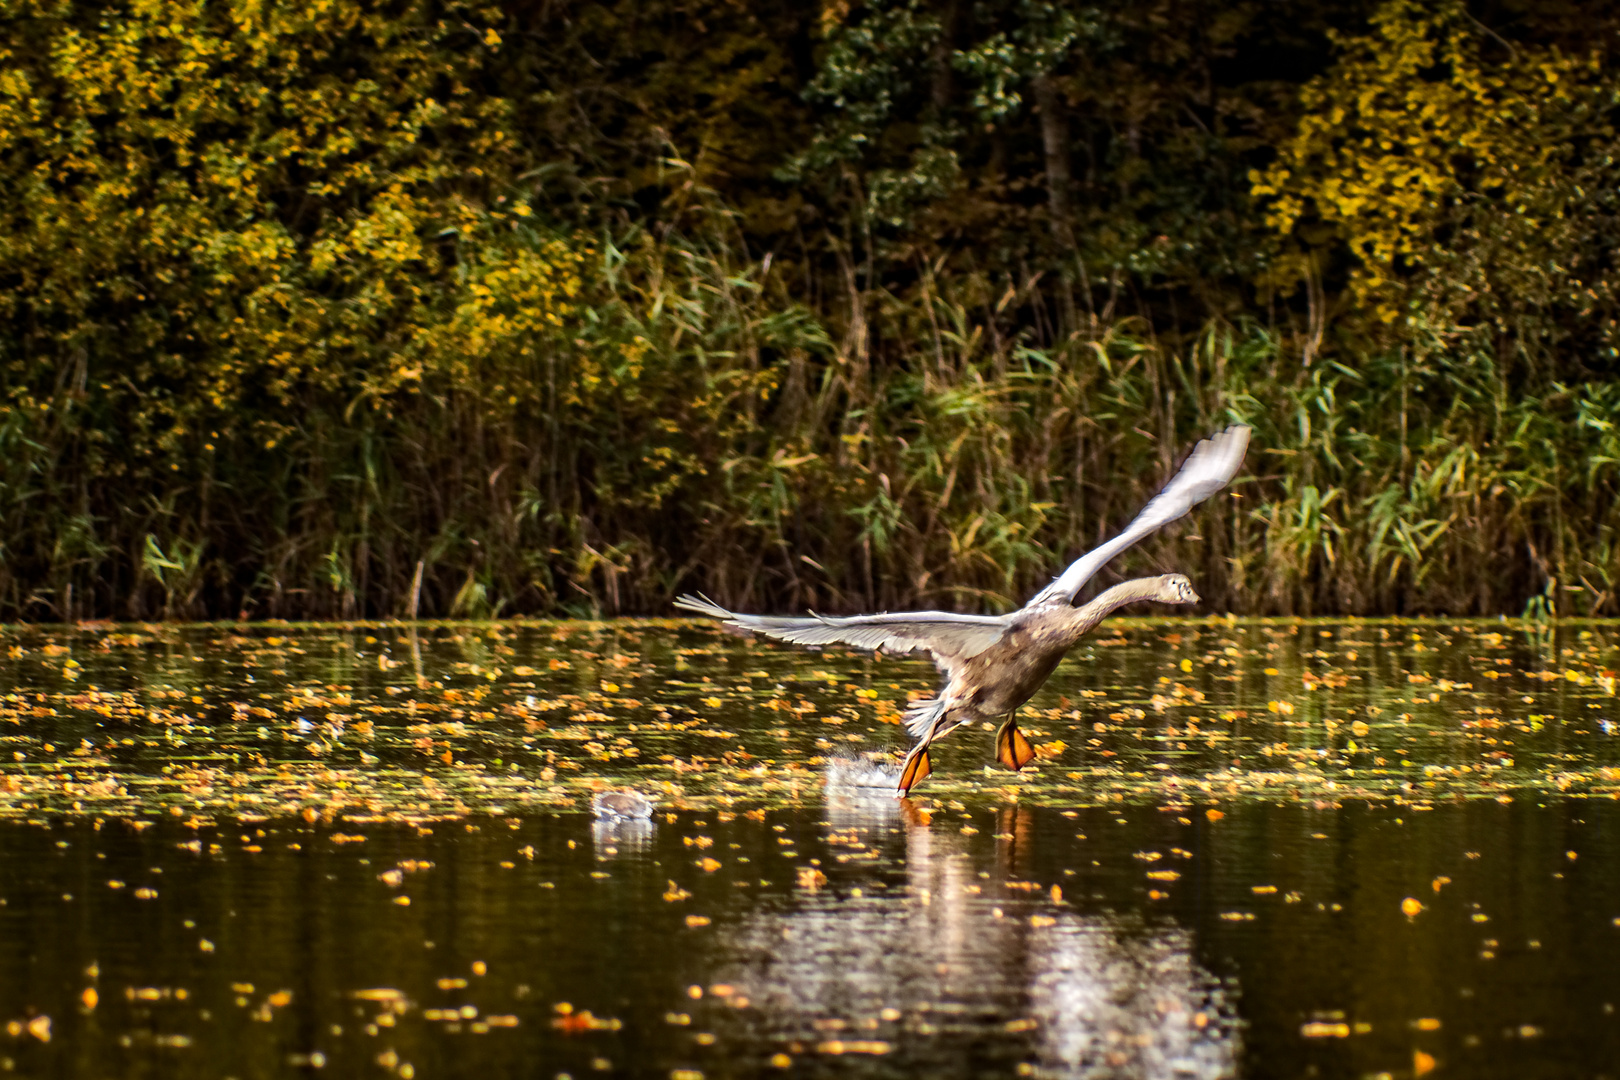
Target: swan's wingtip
1234, 438
701, 605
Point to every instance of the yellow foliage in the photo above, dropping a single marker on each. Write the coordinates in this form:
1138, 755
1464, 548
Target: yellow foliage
222, 212
1411, 124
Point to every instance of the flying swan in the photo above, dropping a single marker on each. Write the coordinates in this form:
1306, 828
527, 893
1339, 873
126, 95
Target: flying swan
994, 663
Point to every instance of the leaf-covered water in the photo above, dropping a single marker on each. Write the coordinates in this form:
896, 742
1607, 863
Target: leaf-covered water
1260, 849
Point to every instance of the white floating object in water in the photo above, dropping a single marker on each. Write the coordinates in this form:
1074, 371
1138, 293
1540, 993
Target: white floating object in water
623, 805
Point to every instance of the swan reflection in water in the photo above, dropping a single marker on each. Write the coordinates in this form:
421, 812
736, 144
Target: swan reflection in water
932, 968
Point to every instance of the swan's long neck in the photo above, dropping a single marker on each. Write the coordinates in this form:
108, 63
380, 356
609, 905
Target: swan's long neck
1105, 603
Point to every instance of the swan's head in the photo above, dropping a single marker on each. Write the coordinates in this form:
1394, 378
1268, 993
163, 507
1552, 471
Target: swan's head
1176, 589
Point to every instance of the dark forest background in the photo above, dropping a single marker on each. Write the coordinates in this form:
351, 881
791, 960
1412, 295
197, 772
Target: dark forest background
343, 310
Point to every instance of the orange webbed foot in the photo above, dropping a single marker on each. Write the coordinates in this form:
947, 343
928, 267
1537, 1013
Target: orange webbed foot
1012, 748
917, 767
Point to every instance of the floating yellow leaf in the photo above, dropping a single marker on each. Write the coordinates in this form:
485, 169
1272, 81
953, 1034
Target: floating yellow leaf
839, 1046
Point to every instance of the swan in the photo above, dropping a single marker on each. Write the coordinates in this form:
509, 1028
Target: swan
994, 663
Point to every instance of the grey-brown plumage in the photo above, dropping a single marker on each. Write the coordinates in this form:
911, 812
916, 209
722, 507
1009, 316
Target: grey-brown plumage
993, 664
1007, 674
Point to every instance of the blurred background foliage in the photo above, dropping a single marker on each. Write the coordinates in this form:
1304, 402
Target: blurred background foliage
464, 308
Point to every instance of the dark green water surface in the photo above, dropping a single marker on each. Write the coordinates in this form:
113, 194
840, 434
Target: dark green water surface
1247, 849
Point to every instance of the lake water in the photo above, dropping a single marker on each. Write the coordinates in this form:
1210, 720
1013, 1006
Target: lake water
1259, 849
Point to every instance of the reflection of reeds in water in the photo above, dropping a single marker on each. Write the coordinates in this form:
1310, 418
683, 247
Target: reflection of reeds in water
932, 973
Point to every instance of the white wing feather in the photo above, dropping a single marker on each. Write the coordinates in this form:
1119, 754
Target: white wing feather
951, 638
1210, 466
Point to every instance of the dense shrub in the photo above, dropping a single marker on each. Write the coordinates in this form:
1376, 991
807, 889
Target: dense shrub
356, 309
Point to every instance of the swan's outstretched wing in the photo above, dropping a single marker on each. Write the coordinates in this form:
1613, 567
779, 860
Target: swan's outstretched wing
952, 639
1210, 466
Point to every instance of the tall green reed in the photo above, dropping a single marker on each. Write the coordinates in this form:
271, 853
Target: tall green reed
694, 426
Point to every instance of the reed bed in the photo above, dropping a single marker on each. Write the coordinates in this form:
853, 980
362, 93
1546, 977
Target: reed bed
693, 427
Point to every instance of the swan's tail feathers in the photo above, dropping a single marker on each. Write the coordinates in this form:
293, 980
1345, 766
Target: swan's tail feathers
1012, 749
921, 716
916, 768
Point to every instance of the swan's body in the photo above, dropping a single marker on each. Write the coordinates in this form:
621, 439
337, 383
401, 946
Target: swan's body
993, 664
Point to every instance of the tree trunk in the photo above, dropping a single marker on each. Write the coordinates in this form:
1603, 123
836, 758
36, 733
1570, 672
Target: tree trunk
943, 87
1055, 142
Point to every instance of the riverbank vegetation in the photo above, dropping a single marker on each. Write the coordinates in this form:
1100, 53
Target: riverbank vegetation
469, 309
